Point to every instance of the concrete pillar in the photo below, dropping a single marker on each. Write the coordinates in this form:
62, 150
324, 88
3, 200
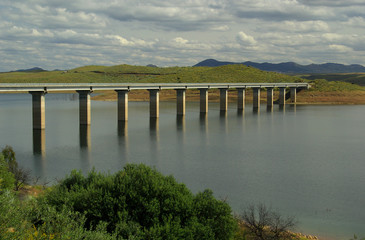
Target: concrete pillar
204, 100
84, 106
256, 98
270, 97
38, 108
180, 102
154, 103
282, 96
122, 105
241, 92
293, 94
223, 99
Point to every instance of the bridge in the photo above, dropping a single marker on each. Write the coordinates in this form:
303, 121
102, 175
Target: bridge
39, 90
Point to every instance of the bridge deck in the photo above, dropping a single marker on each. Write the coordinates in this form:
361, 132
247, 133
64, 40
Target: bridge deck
30, 87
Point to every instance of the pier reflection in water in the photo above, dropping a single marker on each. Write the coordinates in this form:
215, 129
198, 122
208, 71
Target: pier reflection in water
39, 142
123, 141
180, 123
85, 137
39, 151
123, 128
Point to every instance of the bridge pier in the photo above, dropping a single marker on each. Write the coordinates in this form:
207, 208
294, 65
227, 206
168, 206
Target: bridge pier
282, 96
241, 92
204, 100
122, 105
84, 106
38, 109
180, 102
223, 95
154, 103
293, 95
256, 98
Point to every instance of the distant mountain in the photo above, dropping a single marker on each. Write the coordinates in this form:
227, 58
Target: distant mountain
290, 67
35, 69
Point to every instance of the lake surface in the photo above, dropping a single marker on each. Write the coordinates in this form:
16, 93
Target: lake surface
304, 161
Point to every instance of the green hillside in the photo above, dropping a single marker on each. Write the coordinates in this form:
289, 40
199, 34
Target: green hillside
353, 78
135, 74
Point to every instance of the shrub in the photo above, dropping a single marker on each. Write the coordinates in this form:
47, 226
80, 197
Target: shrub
140, 203
264, 224
21, 176
6, 177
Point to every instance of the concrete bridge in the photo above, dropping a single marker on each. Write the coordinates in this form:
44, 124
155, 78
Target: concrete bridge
39, 90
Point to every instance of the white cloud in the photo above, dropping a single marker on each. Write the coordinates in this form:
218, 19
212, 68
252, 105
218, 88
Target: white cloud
180, 40
245, 39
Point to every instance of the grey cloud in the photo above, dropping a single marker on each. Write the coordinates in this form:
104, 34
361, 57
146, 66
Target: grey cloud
69, 33
332, 3
275, 15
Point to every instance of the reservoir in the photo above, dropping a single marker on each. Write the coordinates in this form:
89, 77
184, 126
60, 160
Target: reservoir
306, 161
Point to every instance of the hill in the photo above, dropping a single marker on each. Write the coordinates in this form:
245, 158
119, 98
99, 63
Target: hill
134, 74
35, 69
290, 67
353, 78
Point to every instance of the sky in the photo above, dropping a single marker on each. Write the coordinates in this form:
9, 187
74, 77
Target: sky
64, 34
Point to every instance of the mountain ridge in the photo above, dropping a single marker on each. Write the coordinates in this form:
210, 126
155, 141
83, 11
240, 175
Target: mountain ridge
289, 67
34, 69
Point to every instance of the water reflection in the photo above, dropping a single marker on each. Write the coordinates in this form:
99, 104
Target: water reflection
123, 128
223, 121
269, 108
123, 140
256, 110
155, 139
240, 112
180, 123
282, 108
293, 108
203, 122
39, 142
39, 151
85, 147
85, 136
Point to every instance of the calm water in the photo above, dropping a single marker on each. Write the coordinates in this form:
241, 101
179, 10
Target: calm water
306, 161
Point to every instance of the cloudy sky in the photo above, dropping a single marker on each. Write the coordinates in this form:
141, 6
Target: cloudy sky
65, 34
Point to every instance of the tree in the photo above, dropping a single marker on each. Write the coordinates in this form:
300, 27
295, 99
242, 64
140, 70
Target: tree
265, 224
21, 176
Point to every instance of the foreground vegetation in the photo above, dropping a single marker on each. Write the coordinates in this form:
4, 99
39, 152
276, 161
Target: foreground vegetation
137, 202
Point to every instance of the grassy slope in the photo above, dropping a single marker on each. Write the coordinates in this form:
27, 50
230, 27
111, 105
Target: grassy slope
355, 78
133, 74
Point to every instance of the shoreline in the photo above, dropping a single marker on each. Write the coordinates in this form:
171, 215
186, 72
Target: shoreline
303, 97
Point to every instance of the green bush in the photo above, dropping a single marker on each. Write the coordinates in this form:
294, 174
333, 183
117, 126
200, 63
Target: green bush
140, 203
6, 177
35, 220
21, 176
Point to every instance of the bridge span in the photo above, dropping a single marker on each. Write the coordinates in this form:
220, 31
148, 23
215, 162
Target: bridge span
39, 90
